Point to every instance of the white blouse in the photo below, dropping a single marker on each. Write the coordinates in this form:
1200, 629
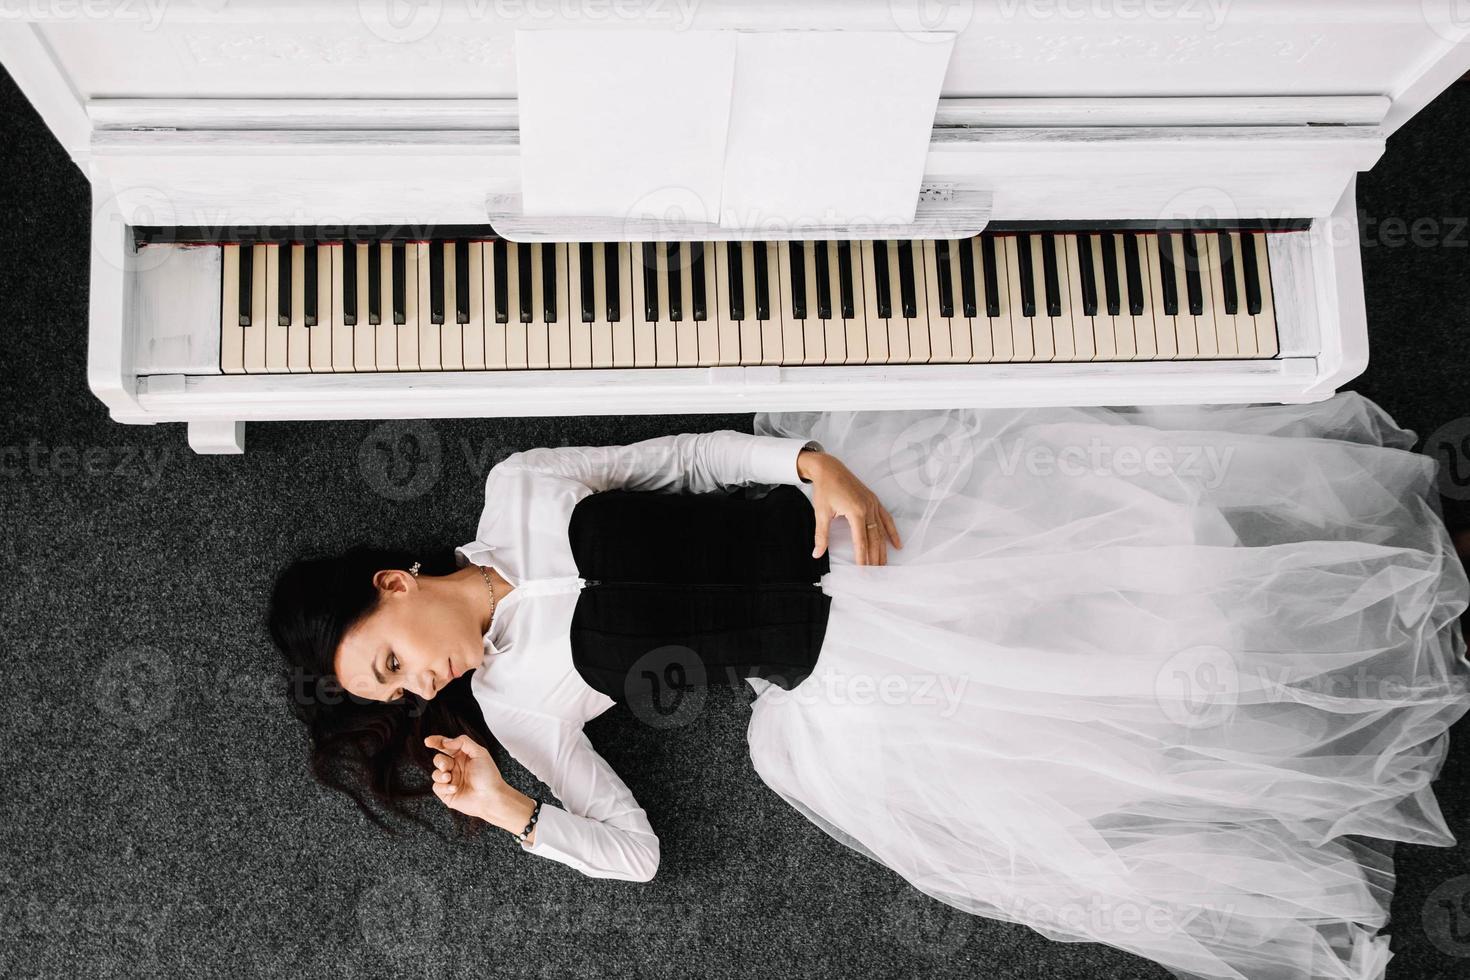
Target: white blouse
533, 699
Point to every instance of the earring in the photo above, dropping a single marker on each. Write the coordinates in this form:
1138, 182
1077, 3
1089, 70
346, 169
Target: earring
414, 571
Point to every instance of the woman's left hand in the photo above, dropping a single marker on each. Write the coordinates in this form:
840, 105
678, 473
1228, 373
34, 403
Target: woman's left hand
836, 492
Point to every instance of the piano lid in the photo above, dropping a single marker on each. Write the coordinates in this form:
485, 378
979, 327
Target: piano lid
464, 49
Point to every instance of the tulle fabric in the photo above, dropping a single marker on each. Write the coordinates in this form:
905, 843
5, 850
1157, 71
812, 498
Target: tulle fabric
1164, 678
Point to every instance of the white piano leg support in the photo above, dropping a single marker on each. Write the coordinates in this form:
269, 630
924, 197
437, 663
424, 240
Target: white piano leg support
217, 437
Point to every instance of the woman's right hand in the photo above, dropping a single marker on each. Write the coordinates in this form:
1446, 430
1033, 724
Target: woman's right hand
465, 776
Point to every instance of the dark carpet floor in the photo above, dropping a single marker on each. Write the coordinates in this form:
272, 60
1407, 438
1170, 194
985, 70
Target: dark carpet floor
157, 816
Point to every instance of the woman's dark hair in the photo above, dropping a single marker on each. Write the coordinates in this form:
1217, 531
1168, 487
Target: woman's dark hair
358, 746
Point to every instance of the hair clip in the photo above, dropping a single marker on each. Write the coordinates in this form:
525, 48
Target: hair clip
414, 571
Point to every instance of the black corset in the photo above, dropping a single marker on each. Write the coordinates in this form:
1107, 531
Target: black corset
692, 590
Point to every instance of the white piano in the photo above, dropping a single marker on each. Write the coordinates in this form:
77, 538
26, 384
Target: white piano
306, 210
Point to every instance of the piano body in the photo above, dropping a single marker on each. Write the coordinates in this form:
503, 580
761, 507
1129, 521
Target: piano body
309, 210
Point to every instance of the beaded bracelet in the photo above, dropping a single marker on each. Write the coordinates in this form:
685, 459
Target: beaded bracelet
531, 825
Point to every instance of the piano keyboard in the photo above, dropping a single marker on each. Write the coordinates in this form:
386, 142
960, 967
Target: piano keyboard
470, 304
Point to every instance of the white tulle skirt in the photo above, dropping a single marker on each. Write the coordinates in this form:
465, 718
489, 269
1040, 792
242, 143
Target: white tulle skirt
1162, 678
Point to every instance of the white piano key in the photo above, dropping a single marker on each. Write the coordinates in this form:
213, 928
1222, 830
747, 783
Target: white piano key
708, 335
1221, 327
845, 336
326, 300
1204, 341
1126, 326
431, 334
364, 335
645, 345
1043, 331
474, 330
451, 331
897, 325
602, 327
729, 328
624, 328
1104, 335
665, 337
517, 332
495, 331
916, 327
538, 336
579, 331
992, 335
773, 337
1245, 324
949, 336
1023, 337
876, 327
298, 336
981, 341
1062, 327
1164, 342
409, 343
255, 334
558, 330
231, 334
1266, 345
276, 335
1084, 338
793, 331
385, 356
813, 327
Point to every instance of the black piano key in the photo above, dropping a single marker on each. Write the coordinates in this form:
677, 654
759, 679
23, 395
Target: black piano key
699, 302
1133, 270
967, 277
400, 284
1168, 281
992, 276
461, 281
612, 268
845, 297
649, 271
1251, 273
500, 260
436, 282
943, 281
283, 284
762, 282
310, 283
1028, 275
1229, 293
907, 300
673, 257
349, 283
736, 270
822, 265
796, 261
1087, 275
586, 258
523, 281
247, 283
1193, 288
1051, 282
1111, 291
375, 284
880, 273
548, 282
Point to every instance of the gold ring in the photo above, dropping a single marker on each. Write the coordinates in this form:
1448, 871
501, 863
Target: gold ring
873, 524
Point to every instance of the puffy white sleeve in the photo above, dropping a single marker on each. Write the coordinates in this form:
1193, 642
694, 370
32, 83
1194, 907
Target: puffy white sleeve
684, 463
599, 829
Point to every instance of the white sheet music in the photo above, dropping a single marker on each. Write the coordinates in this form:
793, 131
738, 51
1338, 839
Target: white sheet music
624, 123
747, 129
830, 127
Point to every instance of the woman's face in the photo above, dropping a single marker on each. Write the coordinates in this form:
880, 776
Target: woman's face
418, 639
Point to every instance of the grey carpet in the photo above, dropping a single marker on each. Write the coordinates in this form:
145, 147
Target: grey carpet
157, 818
